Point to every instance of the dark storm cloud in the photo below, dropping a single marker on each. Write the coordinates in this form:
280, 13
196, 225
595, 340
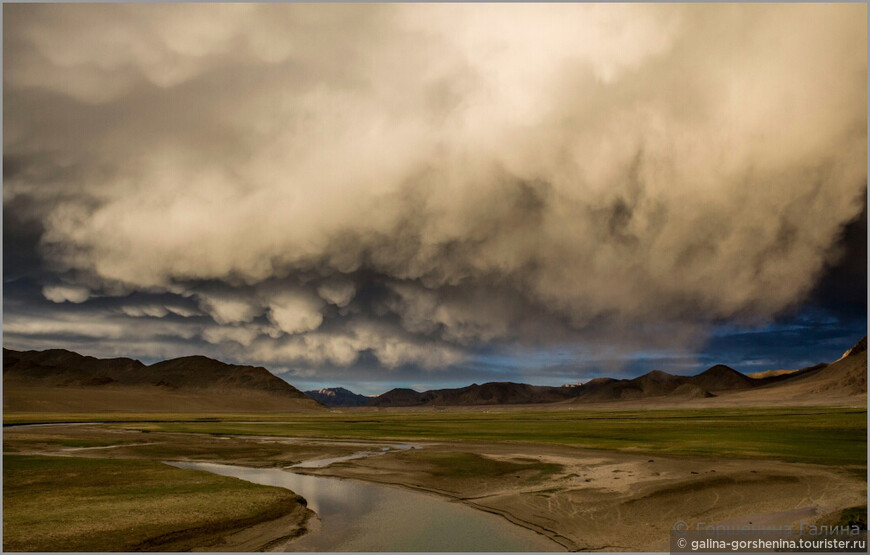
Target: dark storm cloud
842, 288
390, 189
21, 234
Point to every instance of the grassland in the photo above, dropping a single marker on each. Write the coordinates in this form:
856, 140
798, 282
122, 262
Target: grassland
581, 477
89, 504
823, 435
98, 440
831, 436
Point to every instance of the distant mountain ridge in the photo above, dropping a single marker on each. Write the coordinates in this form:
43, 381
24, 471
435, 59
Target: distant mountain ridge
37, 379
652, 384
492, 393
708, 383
63, 381
712, 382
338, 397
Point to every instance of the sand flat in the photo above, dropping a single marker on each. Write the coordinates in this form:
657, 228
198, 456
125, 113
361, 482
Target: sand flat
617, 501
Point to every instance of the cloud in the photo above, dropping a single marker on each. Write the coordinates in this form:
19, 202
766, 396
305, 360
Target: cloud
414, 182
64, 293
294, 313
92, 325
157, 310
390, 347
36, 326
462, 316
154, 311
229, 310
182, 311
241, 335
339, 293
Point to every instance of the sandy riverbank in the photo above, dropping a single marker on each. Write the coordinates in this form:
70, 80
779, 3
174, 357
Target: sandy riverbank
603, 500
265, 536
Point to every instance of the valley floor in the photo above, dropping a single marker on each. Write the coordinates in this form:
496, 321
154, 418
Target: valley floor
591, 481
603, 500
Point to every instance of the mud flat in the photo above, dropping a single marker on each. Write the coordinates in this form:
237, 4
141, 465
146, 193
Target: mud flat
600, 500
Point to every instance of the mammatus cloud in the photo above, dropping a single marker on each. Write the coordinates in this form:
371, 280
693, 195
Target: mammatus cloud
155, 311
339, 293
66, 293
411, 182
294, 313
229, 310
222, 334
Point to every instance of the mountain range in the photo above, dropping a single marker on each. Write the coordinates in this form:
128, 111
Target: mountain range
58, 380
845, 378
338, 397
492, 393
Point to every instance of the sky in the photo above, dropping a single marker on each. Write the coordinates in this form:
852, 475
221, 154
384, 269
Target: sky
427, 196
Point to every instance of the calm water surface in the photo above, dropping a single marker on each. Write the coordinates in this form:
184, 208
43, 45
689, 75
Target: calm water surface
360, 516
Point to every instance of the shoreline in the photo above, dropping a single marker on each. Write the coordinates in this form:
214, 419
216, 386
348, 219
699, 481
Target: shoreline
625, 488
264, 535
551, 535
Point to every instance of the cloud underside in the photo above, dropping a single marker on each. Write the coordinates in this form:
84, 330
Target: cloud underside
319, 185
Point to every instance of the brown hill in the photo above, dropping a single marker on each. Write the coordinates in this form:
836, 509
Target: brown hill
653, 384
825, 383
721, 378
773, 376
660, 384
859, 347
62, 368
398, 397
656, 384
690, 391
492, 393
770, 374
500, 393
63, 381
844, 381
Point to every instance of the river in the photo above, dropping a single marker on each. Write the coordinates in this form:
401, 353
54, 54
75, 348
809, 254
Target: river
362, 516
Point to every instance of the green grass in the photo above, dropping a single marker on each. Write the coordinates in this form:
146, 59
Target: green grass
56, 417
475, 467
832, 436
83, 504
35, 439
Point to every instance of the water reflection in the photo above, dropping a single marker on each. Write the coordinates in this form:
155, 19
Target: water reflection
359, 516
